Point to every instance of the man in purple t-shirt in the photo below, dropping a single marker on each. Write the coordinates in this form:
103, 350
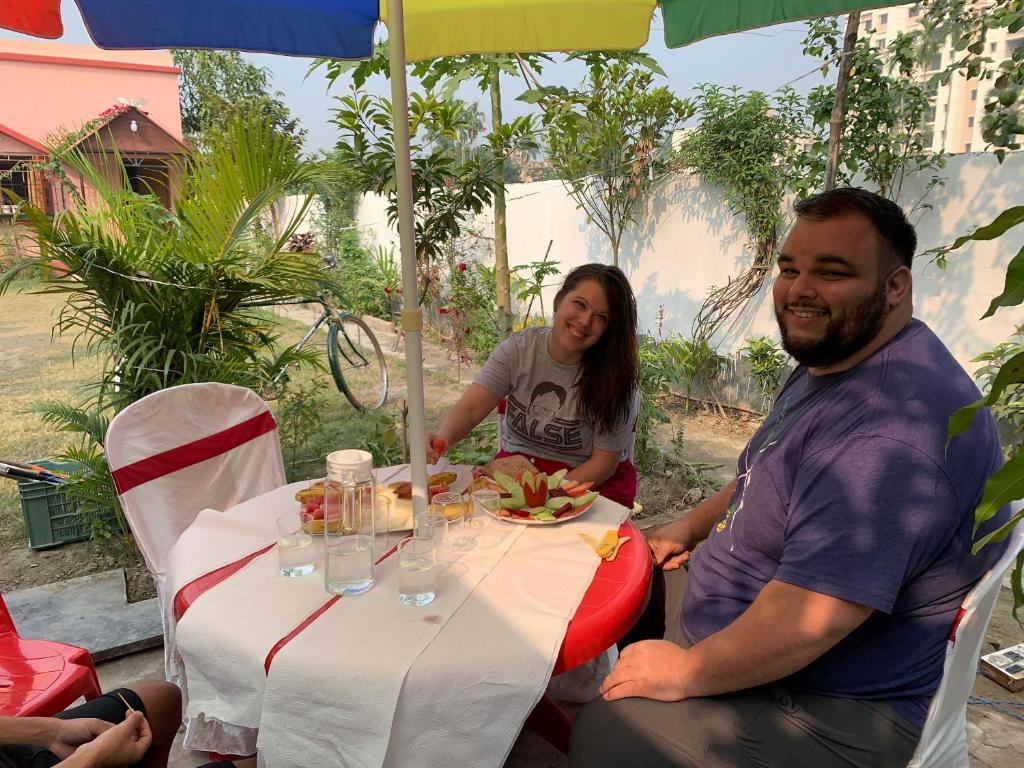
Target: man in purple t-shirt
816, 611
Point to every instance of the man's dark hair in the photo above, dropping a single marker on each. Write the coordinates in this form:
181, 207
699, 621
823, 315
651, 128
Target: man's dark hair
897, 235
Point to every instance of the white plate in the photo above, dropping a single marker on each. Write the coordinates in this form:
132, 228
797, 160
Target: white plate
404, 522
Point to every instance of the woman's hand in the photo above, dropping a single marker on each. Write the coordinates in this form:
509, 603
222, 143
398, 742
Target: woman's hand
436, 446
474, 405
119, 746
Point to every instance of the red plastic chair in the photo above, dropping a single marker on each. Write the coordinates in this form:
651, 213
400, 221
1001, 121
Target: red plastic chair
41, 677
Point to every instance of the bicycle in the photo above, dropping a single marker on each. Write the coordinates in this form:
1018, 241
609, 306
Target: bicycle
354, 355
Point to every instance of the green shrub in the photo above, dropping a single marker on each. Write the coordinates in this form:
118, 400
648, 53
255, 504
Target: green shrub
360, 282
766, 362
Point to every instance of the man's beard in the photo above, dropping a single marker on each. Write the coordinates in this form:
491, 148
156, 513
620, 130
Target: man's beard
842, 339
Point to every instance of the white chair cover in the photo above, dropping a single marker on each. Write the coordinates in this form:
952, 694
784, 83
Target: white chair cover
179, 451
943, 741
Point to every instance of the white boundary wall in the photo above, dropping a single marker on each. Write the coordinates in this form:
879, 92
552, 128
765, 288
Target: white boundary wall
686, 241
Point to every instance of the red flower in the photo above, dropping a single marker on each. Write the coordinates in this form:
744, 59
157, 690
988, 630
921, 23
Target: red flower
442, 311
462, 266
386, 289
448, 182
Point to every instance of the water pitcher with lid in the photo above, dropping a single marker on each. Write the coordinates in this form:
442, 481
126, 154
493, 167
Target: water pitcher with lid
349, 525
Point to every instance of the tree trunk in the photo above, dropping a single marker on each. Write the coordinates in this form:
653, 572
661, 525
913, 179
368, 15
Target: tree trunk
615, 253
835, 128
501, 271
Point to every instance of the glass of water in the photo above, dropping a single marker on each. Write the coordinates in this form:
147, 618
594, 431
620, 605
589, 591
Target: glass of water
451, 505
416, 571
295, 544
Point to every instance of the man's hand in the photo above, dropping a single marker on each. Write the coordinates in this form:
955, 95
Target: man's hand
671, 544
649, 669
119, 746
70, 734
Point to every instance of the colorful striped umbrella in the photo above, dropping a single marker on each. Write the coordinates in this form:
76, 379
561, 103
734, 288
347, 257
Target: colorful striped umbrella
343, 29
417, 29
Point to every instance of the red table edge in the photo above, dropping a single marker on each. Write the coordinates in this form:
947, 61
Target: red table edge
590, 633
586, 636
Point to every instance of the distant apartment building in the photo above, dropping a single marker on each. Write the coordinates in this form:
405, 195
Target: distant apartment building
115, 106
954, 122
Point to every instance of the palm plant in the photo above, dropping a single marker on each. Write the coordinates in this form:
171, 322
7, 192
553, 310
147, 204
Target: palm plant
170, 297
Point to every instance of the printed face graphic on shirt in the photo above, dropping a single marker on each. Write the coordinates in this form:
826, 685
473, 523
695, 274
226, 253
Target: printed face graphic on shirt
546, 400
539, 422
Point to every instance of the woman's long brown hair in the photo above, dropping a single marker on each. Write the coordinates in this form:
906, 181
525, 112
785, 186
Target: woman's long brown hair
608, 374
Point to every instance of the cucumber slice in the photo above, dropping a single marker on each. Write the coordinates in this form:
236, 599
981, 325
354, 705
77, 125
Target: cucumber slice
555, 502
556, 479
513, 502
508, 483
545, 515
581, 500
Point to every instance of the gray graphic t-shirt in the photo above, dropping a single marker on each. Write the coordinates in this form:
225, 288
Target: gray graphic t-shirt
541, 400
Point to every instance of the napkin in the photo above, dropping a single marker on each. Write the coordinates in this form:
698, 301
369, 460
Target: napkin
607, 548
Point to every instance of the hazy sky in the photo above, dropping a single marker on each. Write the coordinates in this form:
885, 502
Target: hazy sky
763, 59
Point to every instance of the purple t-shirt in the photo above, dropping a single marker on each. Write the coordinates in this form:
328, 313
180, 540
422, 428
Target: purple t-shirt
847, 489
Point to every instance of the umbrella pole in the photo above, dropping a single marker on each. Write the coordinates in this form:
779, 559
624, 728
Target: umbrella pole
412, 315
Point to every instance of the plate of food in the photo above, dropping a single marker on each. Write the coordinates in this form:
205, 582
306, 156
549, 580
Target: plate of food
398, 494
536, 498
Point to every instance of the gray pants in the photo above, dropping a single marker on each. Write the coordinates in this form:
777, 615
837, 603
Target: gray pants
767, 727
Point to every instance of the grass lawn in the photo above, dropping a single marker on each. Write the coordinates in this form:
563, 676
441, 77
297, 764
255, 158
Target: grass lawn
37, 366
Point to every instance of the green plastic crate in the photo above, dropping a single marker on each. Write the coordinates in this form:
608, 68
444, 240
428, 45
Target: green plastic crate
50, 518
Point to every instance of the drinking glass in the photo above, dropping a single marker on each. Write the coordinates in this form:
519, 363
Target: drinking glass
434, 526
295, 544
416, 571
483, 501
451, 505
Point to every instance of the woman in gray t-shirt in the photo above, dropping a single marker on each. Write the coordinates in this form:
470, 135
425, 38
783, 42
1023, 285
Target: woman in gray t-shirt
570, 389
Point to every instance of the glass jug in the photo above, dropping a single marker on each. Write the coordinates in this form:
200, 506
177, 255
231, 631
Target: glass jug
349, 525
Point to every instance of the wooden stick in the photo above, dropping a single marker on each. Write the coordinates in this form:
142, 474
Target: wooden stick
130, 707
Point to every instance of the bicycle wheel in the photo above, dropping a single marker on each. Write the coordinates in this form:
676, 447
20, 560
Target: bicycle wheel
356, 362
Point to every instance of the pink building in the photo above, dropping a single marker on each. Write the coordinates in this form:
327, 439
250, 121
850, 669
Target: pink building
107, 99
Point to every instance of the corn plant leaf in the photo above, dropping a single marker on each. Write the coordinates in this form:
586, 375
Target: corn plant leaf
1012, 372
1013, 290
1004, 486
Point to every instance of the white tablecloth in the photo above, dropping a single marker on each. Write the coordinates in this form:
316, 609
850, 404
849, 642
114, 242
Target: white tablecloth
370, 682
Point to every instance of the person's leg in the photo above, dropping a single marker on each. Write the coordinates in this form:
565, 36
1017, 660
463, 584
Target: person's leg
766, 726
641, 733
162, 703
809, 729
155, 700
